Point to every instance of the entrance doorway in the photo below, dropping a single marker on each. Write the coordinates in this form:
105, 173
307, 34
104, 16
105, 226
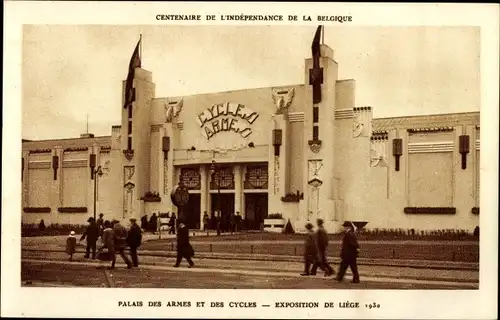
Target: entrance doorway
226, 206
255, 210
192, 211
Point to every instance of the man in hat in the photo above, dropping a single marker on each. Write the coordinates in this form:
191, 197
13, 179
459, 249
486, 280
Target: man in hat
184, 248
310, 253
134, 239
100, 224
91, 234
120, 233
321, 246
349, 253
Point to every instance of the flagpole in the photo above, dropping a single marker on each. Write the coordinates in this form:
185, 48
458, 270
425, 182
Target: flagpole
140, 41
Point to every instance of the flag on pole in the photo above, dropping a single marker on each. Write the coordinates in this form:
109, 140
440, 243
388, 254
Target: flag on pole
316, 74
135, 62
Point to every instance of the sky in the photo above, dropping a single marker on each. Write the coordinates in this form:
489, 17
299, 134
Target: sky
69, 72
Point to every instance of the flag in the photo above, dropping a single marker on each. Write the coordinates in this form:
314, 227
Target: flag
315, 45
135, 62
316, 74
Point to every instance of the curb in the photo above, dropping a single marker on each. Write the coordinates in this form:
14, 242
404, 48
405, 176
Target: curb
416, 264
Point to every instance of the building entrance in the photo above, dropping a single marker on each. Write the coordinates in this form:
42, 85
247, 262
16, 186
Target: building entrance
226, 201
255, 210
192, 211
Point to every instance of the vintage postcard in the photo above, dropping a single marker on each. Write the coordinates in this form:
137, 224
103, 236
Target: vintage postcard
182, 160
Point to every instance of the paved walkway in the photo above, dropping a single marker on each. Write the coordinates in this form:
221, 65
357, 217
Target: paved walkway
269, 273
296, 267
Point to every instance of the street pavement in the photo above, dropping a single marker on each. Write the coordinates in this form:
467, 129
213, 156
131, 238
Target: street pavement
44, 263
208, 272
94, 274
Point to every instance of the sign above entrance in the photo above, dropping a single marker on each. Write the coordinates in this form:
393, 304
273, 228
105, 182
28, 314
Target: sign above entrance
226, 117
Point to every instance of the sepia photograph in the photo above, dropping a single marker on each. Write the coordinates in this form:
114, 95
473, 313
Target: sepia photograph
316, 161
250, 160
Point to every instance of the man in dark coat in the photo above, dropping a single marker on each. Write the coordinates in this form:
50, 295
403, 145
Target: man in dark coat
144, 222
349, 253
172, 223
91, 234
321, 246
153, 223
100, 224
205, 221
184, 248
310, 252
120, 233
134, 239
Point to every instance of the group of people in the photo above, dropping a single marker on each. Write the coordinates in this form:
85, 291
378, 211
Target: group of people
114, 238
315, 247
222, 223
152, 224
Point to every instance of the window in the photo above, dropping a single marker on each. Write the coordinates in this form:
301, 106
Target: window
315, 133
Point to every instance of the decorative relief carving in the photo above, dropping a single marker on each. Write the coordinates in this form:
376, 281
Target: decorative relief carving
172, 109
128, 172
378, 153
315, 167
165, 176
276, 174
360, 126
315, 145
282, 99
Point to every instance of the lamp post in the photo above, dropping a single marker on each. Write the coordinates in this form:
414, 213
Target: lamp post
96, 174
214, 168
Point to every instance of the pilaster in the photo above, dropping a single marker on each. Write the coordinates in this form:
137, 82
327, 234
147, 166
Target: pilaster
204, 194
169, 172
238, 188
25, 178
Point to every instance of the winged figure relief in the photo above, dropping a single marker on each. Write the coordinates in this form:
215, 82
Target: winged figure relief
282, 99
172, 110
377, 158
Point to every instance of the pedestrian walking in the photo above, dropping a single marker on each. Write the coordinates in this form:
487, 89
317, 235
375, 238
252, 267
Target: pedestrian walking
144, 222
172, 224
184, 248
349, 253
134, 239
100, 224
205, 221
153, 223
91, 234
310, 251
238, 221
120, 235
321, 246
71, 245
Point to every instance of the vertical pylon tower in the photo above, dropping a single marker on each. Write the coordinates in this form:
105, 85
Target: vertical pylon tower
138, 94
321, 73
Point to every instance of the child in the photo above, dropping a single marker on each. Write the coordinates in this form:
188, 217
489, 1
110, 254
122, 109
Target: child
310, 253
71, 245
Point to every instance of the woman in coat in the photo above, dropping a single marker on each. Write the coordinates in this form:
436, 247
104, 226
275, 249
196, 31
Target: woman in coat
184, 248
